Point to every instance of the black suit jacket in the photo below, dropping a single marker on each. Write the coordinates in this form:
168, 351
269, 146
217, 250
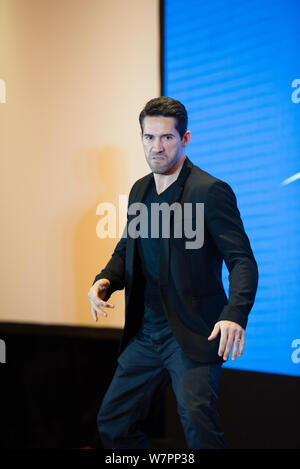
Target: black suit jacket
191, 285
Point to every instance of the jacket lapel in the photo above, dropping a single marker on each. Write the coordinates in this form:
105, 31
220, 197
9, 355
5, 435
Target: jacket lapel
131, 242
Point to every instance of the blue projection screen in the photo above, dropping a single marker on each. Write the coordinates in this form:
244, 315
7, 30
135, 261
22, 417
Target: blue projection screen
235, 64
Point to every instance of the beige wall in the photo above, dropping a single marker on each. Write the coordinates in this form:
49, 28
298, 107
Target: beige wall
77, 73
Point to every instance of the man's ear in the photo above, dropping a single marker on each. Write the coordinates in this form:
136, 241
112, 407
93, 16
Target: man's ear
186, 138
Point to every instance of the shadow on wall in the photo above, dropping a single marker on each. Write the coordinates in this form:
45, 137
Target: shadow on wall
91, 253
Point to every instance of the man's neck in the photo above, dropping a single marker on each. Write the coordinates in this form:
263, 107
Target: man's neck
163, 181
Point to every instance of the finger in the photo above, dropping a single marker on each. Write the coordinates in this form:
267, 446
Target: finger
99, 310
214, 332
104, 304
229, 342
93, 300
236, 344
97, 302
94, 314
223, 341
99, 296
242, 345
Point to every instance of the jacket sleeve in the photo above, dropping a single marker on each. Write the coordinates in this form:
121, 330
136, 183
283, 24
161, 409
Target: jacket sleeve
226, 227
114, 270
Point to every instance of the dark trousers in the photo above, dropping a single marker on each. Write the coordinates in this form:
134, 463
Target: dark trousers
149, 362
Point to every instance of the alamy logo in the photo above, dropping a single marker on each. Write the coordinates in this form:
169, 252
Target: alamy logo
295, 97
296, 353
2, 351
188, 221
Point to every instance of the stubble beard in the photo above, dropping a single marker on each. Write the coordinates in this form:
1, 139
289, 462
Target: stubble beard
161, 169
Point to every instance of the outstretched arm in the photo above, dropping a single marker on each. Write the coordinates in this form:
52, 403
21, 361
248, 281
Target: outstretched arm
111, 278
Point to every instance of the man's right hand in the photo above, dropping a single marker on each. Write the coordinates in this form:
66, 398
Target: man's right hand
96, 294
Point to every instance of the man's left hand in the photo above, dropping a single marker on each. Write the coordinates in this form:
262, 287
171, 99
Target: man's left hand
232, 336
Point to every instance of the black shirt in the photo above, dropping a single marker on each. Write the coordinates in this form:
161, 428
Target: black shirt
149, 250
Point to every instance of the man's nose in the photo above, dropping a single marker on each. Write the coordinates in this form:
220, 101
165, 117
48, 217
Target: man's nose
157, 146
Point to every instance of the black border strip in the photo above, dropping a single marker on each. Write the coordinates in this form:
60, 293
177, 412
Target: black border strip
53, 330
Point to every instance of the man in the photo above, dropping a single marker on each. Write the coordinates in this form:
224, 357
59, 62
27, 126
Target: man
179, 324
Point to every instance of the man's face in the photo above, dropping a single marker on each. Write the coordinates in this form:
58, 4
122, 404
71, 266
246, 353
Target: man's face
162, 144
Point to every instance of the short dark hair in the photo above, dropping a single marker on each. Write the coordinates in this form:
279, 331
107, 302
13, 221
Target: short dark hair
166, 107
